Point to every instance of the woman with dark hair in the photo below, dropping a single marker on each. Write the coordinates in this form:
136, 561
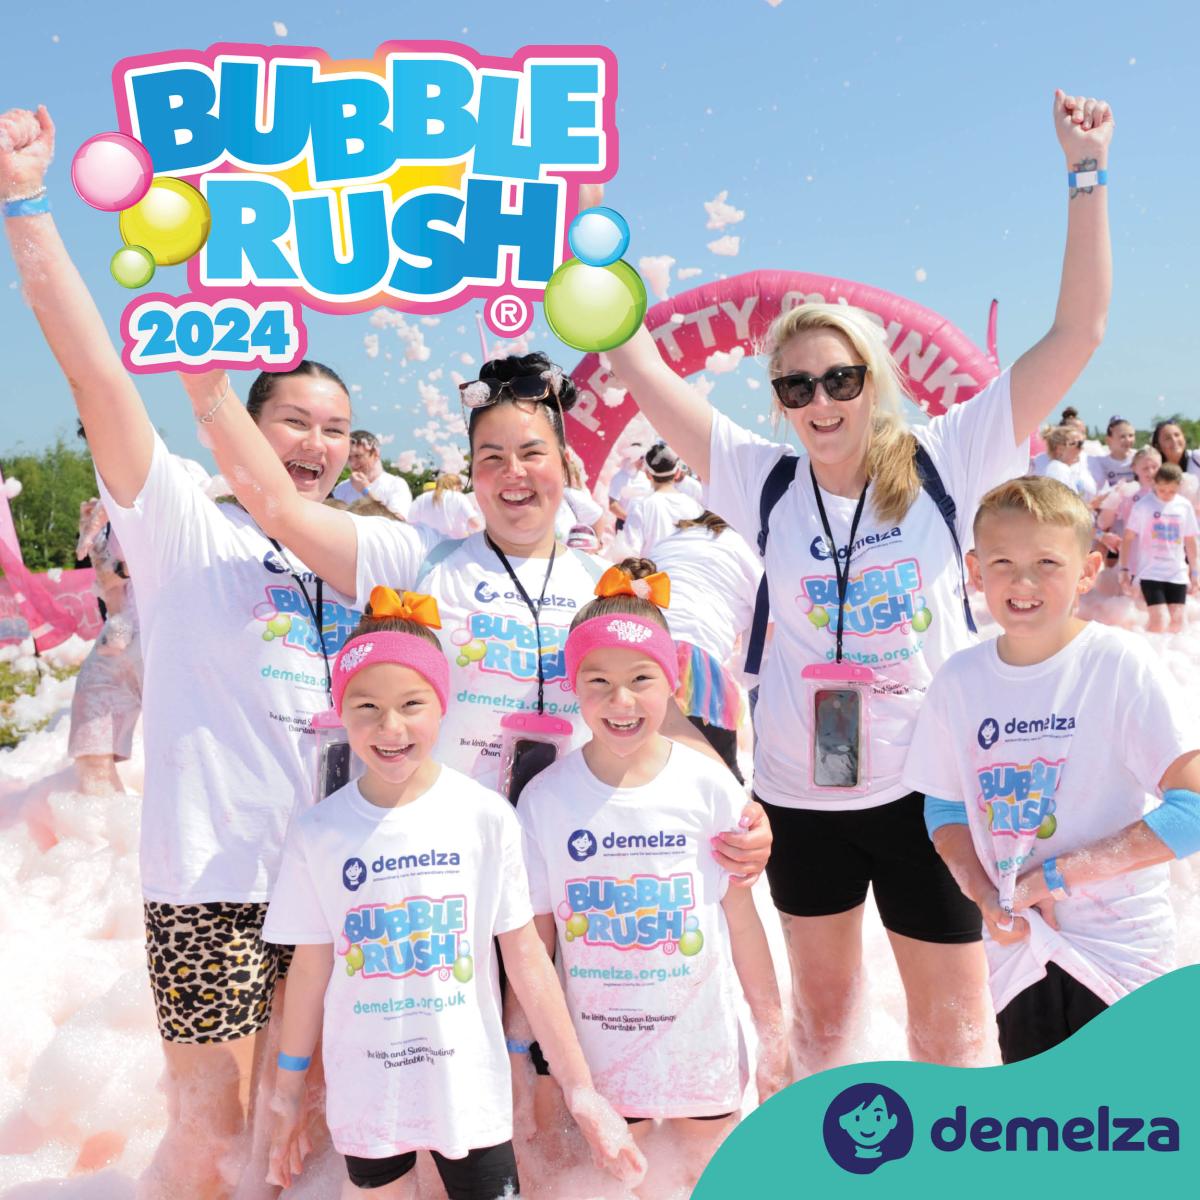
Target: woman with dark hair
506, 594
235, 634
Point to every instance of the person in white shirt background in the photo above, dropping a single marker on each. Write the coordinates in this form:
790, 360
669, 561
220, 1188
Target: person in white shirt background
1171, 442
1159, 550
578, 507
1117, 465
368, 478
445, 509
1064, 447
651, 518
627, 482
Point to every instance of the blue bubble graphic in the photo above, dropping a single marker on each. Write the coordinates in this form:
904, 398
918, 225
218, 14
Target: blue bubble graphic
598, 236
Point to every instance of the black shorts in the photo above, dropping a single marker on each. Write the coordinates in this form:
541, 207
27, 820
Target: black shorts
723, 741
823, 861
485, 1174
1154, 591
1045, 1014
715, 1117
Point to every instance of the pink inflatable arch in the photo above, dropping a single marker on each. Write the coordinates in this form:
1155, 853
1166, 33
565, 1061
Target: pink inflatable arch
942, 365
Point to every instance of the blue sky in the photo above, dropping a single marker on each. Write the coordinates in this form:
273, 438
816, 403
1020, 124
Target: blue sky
867, 141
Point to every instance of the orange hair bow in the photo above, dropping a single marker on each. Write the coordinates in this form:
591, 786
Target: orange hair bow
408, 606
656, 588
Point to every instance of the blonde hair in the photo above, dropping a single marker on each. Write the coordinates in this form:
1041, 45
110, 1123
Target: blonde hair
574, 470
1060, 435
1146, 452
1044, 499
448, 481
891, 447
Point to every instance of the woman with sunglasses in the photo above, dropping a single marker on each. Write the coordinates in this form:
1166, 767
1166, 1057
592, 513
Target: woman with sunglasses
855, 541
1065, 461
502, 592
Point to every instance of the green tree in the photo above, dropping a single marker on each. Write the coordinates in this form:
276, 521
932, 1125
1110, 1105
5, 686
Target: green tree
54, 482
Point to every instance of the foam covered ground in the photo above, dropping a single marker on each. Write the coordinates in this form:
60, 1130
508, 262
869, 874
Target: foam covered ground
80, 1109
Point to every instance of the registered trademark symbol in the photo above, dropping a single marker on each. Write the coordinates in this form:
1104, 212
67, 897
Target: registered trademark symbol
509, 315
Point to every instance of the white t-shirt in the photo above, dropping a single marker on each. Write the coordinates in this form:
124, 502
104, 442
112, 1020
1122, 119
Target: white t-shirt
1119, 500
577, 508
650, 519
1161, 530
904, 611
1001, 740
1039, 462
627, 484
1076, 476
234, 674
387, 489
487, 632
411, 897
689, 485
714, 581
643, 948
449, 517
1108, 471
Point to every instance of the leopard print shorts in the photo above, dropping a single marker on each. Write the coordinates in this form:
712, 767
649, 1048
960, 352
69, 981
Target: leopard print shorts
212, 975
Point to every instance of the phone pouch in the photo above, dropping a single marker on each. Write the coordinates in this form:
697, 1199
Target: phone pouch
837, 697
337, 764
530, 742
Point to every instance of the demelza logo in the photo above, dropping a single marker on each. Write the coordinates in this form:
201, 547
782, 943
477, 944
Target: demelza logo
819, 548
869, 1124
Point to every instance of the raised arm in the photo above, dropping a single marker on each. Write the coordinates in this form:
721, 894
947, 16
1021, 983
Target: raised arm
1046, 371
119, 432
324, 538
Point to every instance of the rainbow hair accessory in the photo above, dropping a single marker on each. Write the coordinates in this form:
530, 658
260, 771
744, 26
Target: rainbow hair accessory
403, 649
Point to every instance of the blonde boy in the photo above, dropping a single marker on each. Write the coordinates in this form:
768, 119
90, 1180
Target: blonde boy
1043, 754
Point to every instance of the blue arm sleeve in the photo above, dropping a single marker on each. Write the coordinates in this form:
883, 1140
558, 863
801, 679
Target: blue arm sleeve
949, 812
1176, 821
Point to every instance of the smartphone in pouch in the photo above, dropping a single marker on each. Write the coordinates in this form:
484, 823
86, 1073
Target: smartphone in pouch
529, 758
837, 737
334, 769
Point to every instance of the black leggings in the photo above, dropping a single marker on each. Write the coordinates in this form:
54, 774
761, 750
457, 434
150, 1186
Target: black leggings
485, 1174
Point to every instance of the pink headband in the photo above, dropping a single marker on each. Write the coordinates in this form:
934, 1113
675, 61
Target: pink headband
403, 649
626, 633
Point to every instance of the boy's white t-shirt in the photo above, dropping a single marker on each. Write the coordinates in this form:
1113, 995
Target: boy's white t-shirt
233, 675
904, 611
651, 519
387, 489
1045, 748
643, 948
487, 632
411, 897
1161, 530
1108, 471
1076, 476
714, 581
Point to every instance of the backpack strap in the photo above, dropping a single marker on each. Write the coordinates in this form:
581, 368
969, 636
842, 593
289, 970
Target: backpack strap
442, 550
935, 489
777, 482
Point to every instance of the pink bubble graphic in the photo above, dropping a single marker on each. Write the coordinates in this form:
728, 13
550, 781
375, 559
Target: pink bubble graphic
460, 637
264, 610
564, 910
111, 171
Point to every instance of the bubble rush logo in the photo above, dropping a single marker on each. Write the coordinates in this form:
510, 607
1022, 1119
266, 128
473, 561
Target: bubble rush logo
632, 914
1017, 798
418, 179
286, 615
879, 600
419, 936
507, 646
866, 1126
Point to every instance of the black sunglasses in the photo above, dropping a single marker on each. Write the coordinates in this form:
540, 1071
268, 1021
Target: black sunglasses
840, 383
479, 393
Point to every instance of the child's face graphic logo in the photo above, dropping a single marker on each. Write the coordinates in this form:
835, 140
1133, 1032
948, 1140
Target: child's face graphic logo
866, 1126
354, 873
581, 845
989, 733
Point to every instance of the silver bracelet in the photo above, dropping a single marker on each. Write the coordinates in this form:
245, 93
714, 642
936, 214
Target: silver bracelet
210, 416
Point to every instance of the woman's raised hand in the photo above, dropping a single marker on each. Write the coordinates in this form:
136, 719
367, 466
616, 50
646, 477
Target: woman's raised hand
26, 148
1085, 127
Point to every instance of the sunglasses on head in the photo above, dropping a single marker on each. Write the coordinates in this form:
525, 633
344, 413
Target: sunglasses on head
840, 383
479, 393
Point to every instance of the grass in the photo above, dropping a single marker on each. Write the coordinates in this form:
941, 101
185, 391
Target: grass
15, 683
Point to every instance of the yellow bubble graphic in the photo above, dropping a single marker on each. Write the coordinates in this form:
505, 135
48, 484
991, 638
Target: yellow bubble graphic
171, 221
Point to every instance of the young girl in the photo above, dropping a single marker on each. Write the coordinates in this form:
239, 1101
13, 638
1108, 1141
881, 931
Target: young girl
1160, 530
406, 875
616, 837
1120, 499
